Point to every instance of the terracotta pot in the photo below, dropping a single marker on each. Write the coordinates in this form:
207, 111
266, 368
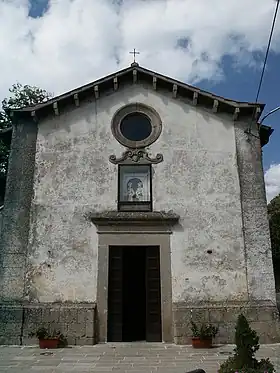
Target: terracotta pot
48, 343
201, 343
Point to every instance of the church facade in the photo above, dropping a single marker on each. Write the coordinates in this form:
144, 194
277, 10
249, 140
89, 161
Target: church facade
134, 205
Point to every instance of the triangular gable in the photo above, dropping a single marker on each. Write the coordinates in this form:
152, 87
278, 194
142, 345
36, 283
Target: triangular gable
136, 74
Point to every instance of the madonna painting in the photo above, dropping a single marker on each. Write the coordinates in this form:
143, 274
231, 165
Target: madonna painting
135, 184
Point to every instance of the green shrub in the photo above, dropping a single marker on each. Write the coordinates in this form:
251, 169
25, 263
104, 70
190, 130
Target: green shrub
247, 344
43, 333
206, 331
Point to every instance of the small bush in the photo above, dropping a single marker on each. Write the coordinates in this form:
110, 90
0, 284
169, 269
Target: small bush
43, 333
206, 331
247, 344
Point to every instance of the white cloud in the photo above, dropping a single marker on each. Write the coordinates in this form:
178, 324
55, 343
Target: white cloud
272, 181
77, 41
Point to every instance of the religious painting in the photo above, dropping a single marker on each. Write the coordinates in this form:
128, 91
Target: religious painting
135, 183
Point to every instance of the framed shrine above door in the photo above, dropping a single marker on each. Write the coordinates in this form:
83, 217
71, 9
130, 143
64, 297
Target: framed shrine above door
135, 188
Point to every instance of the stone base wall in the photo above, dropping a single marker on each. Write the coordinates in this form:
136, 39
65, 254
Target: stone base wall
75, 321
78, 322
262, 316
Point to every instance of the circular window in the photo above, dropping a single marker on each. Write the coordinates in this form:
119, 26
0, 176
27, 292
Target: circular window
136, 125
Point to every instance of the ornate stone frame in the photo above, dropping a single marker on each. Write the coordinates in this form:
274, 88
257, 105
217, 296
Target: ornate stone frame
134, 229
140, 108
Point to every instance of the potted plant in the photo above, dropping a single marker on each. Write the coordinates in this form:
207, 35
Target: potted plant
202, 336
46, 339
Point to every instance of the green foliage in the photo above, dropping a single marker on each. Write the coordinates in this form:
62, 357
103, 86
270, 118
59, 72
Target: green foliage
24, 95
5, 121
205, 331
43, 333
263, 366
247, 344
62, 341
4, 156
274, 225
246, 340
21, 96
274, 205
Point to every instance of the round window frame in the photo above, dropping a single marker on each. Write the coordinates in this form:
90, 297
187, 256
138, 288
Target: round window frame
155, 120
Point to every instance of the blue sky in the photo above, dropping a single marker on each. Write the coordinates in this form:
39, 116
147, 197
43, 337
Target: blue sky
213, 45
242, 85
38, 7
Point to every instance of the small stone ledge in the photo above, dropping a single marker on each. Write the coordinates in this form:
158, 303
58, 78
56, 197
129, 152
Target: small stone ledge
135, 218
262, 315
77, 321
224, 304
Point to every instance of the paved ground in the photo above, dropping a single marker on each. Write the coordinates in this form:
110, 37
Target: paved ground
135, 358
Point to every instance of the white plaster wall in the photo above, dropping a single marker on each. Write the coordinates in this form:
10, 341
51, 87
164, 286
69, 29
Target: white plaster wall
198, 180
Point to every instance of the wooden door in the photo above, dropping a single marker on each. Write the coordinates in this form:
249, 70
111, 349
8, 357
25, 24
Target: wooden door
115, 294
153, 295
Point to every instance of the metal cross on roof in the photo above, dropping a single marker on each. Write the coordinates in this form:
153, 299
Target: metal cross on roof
134, 53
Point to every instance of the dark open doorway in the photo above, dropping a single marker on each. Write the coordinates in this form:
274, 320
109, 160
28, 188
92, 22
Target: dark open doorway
134, 294
134, 298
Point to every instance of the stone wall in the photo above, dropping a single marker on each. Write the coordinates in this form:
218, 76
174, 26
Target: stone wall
16, 213
77, 322
256, 234
262, 316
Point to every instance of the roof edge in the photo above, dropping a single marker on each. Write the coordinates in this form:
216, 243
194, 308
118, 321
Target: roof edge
72, 92
133, 75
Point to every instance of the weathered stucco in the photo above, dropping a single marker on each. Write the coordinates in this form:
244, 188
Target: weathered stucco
198, 180
260, 276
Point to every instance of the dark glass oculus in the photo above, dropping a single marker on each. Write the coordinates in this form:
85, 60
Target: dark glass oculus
136, 127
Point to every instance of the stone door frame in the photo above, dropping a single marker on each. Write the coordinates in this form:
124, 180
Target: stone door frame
135, 236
